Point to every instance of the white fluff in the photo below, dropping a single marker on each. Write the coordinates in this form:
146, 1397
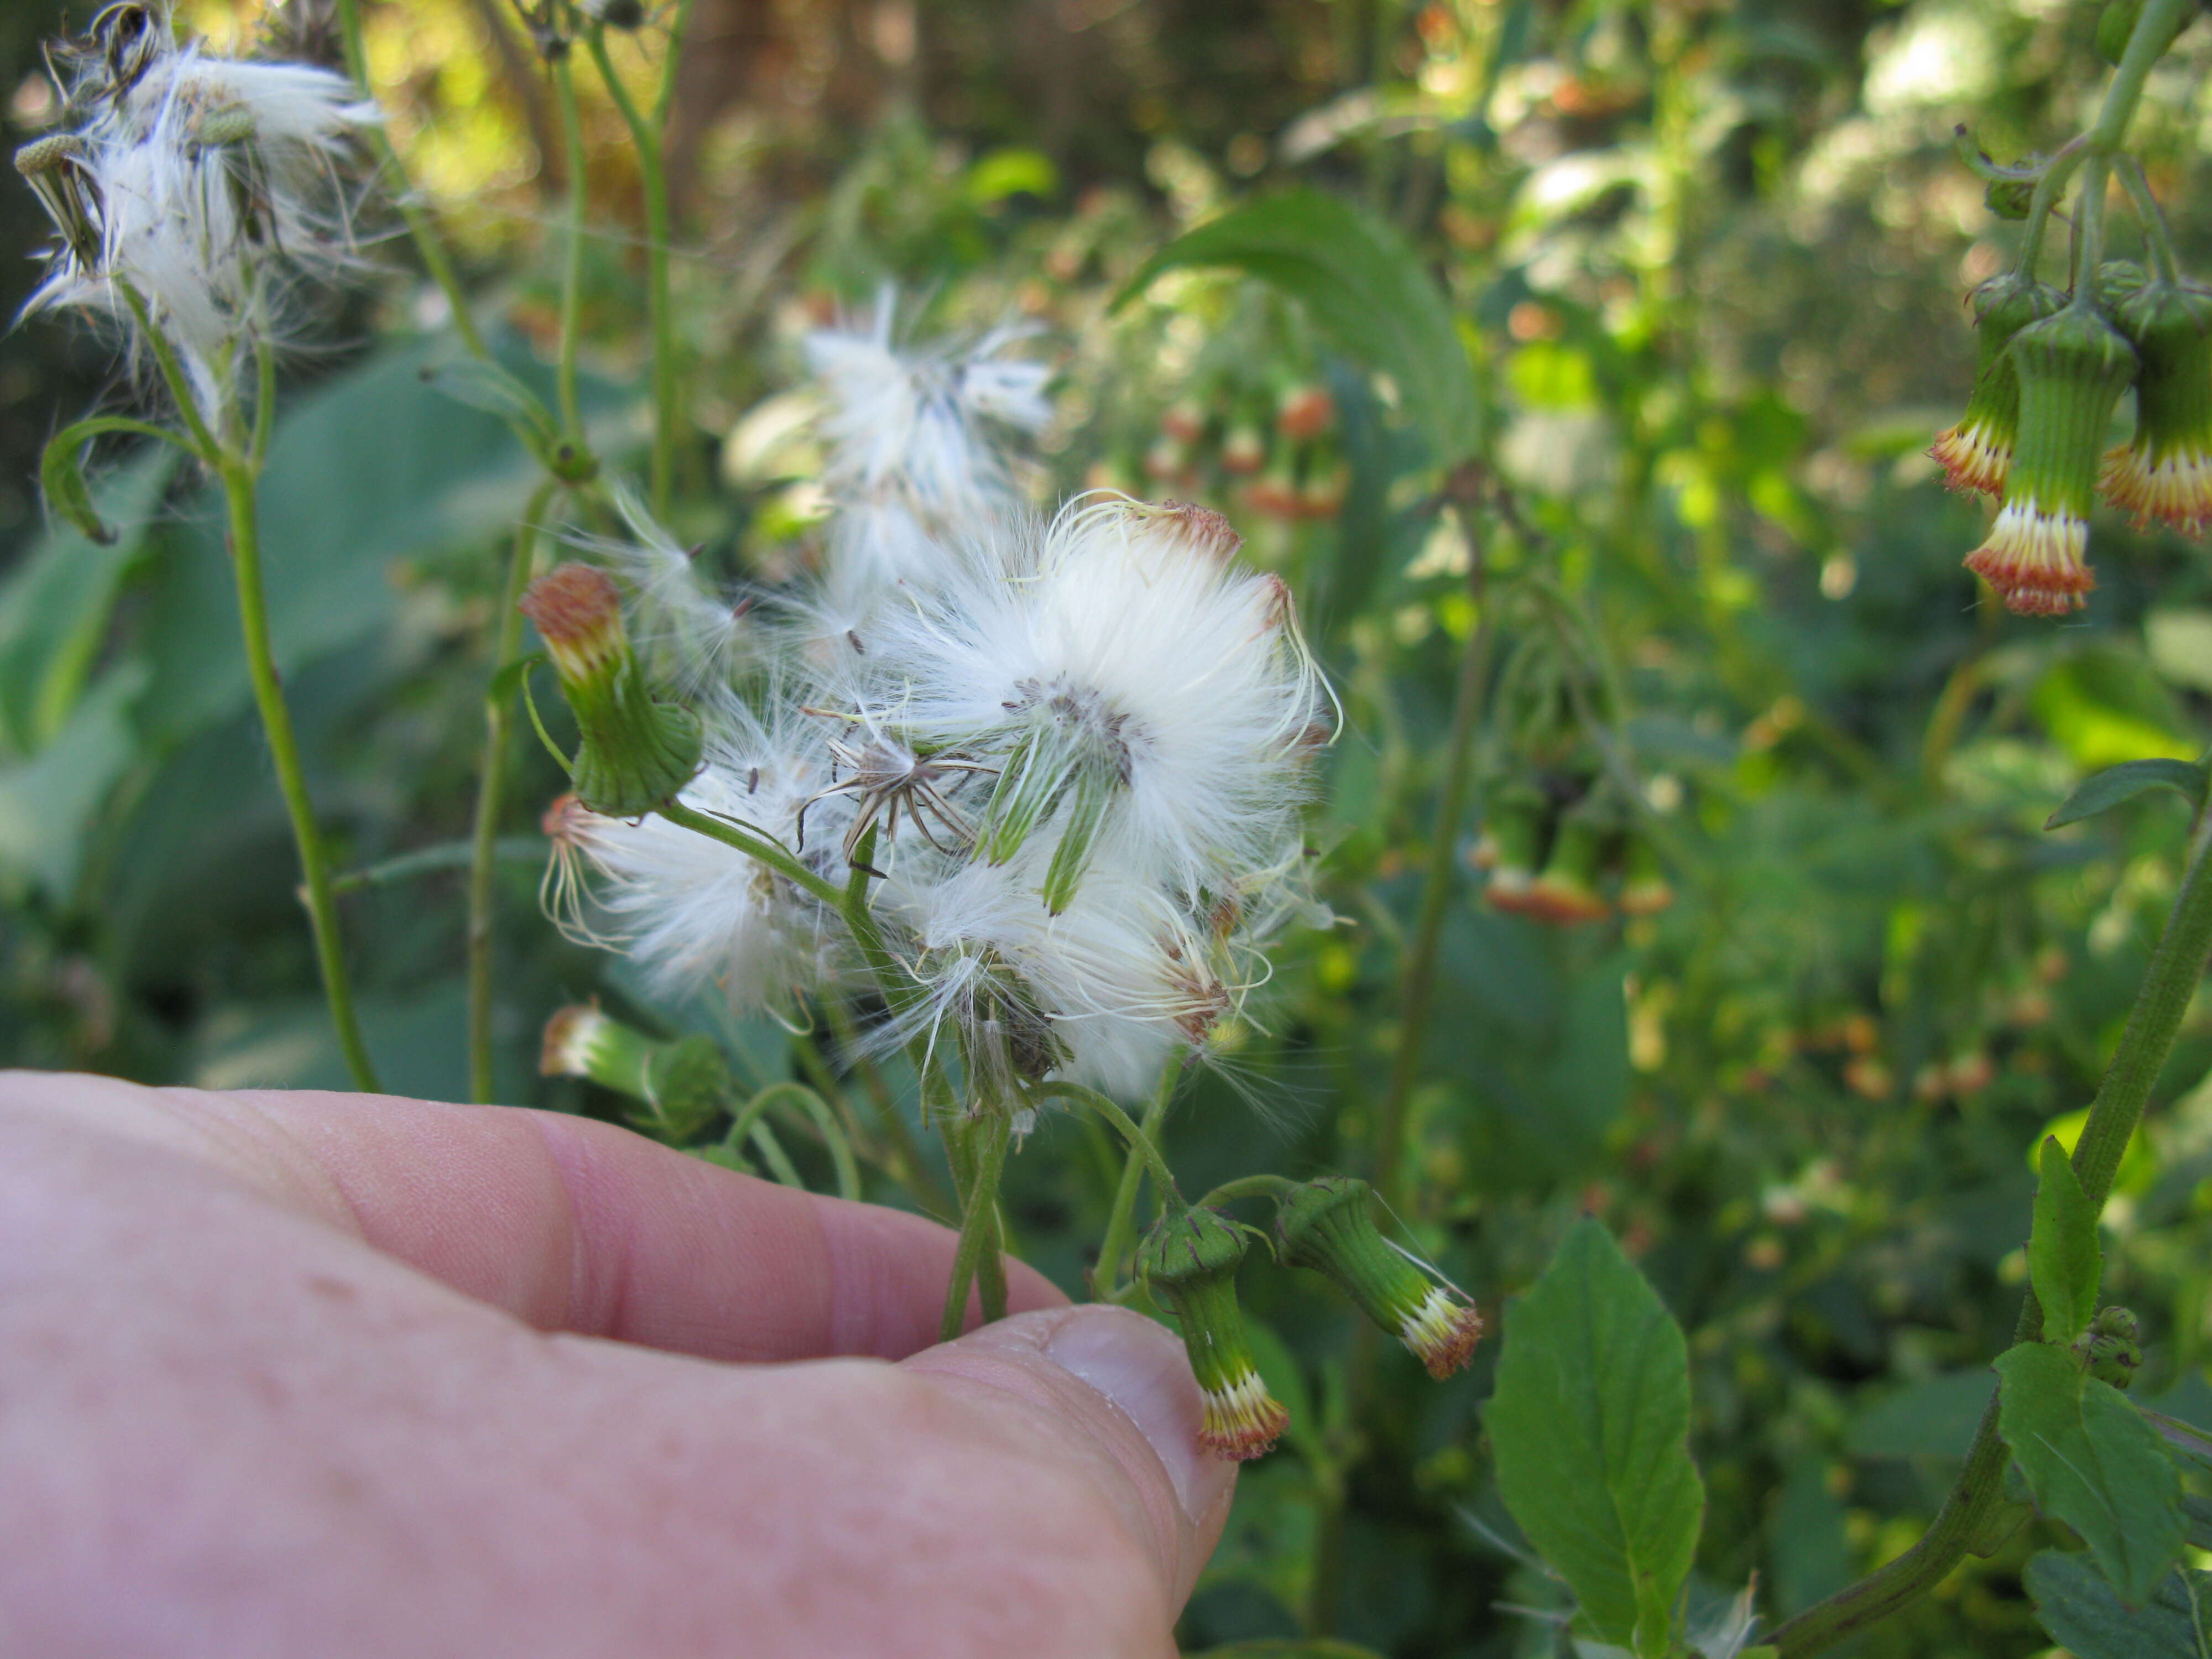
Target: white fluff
694, 912
216, 188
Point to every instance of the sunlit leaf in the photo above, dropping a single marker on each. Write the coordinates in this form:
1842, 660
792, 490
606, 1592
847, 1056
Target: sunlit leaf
2108, 788
2064, 1262
1365, 287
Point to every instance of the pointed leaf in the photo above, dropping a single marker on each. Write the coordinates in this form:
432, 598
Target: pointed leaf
2183, 1439
1590, 1425
1363, 286
2081, 1612
2104, 790
2064, 1260
2095, 1463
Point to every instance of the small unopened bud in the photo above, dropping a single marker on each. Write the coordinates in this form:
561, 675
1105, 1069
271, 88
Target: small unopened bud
634, 753
2109, 1347
59, 172
1321, 496
1565, 890
1305, 413
1189, 1261
2072, 368
1512, 836
1326, 1225
1976, 453
1244, 451
2009, 198
2165, 472
2117, 279
680, 1086
1644, 889
1185, 420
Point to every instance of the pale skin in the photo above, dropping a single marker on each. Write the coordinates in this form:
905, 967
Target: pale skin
335, 1375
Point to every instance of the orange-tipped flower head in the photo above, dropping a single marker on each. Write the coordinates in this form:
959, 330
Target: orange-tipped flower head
679, 1087
2165, 472
1976, 453
1189, 1261
1326, 1225
2072, 368
634, 753
1566, 890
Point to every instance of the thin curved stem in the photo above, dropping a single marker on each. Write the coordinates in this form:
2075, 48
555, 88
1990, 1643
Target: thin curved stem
2155, 230
239, 495
491, 786
1416, 972
1276, 1187
753, 847
1139, 1139
2176, 967
173, 375
653, 173
833, 1133
571, 271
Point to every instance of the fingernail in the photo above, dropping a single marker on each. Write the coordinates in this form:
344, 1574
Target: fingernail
1140, 1367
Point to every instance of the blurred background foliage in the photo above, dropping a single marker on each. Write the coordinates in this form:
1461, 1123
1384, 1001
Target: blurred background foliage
1709, 259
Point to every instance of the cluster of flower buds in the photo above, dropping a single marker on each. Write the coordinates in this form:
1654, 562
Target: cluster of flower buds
191, 193
2050, 374
1189, 1261
1274, 452
680, 1087
2110, 1349
1560, 866
1065, 760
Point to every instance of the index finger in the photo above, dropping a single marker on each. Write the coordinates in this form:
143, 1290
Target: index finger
568, 1223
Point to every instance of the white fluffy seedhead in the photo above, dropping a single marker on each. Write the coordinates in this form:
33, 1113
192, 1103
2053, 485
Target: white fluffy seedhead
914, 462
212, 188
1102, 994
694, 912
1149, 701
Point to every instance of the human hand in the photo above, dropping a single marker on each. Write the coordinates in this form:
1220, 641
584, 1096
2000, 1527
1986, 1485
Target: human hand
332, 1375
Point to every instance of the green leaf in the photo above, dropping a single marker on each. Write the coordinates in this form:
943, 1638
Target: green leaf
1590, 1426
2095, 1463
55, 606
49, 804
2064, 1260
487, 387
1363, 285
2083, 1615
2185, 1439
2102, 791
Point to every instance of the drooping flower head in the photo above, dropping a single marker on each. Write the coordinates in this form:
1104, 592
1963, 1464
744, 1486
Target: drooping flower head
1190, 1260
1976, 453
2072, 368
1326, 1225
2165, 472
208, 189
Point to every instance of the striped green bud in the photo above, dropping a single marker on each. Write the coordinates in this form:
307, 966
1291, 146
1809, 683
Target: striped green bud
1976, 453
1327, 1226
1189, 1261
2165, 472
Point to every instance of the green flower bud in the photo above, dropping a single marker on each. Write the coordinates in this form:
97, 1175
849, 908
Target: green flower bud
2072, 368
2009, 198
681, 1087
1565, 890
1189, 1261
1976, 453
1644, 889
58, 170
2116, 280
2109, 1347
2165, 472
1512, 838
634, 752
1326, 1225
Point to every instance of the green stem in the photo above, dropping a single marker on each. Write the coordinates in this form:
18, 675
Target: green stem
2170, 982
491, 786
430, 860
172, 376
238, 488
833, 1134
571, 271
420, 230
1276, 1187
753, 847
1121, 1219
2155, 230
1417, 975
652, 172
978, 1222
1140, 1141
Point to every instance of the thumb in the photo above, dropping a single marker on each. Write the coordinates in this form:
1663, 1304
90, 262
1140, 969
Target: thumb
1109, 1395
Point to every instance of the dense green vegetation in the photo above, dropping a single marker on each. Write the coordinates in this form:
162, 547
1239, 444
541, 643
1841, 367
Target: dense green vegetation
1635, 322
